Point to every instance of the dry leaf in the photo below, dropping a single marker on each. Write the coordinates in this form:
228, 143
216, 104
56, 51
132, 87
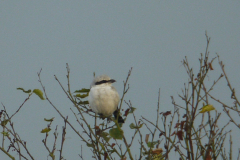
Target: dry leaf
209, 157
162, 133
180, 135
210, 66
157, 151
113, 144
146, 138
166, 113
126, 112
177, 124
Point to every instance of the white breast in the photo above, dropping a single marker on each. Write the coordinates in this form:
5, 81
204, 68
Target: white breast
103, 99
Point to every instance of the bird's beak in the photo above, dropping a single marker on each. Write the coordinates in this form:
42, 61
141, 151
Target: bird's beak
112, 80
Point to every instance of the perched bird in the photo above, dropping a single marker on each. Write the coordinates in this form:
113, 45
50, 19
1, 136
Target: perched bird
103, 97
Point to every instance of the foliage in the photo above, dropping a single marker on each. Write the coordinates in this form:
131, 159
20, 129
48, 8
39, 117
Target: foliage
190, 130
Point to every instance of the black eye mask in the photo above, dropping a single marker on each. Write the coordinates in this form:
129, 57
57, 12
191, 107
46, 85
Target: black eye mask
105, 81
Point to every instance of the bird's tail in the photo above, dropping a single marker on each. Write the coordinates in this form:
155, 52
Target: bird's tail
117, 115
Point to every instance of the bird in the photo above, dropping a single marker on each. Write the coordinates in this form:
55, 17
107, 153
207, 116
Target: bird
103, 97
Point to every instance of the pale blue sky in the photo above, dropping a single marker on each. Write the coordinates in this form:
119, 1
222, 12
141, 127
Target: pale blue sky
109, 38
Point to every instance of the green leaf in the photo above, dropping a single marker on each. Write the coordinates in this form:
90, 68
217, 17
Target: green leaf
90, 145
207, 108
39, 93
157, 154
5, 134
46, 130
132, 109
28, 91
157, 157
52, 155
113, 150
83, 102
151, 144
104, 135
102, 146
4, 122
132, 126
116, 133
82, 90
81, 95
49, 120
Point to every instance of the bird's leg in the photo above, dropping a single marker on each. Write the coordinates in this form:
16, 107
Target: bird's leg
101, 116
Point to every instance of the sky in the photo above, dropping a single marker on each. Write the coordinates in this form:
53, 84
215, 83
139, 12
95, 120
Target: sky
109, 37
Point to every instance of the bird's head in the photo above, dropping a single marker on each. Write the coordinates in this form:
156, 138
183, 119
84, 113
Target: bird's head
103, 79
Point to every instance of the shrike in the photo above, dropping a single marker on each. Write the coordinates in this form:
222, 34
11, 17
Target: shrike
103, 97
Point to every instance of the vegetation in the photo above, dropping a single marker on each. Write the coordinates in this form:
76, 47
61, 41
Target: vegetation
189, 131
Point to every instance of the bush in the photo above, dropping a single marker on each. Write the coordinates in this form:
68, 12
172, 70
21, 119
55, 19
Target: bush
191, 130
